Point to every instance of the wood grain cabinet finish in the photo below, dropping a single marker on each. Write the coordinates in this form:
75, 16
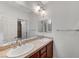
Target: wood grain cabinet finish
44, 49
44, 55
36, 55
45, 52
50, 50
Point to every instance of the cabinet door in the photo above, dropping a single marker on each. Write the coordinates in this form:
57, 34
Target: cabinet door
43, 52
44, 55
50, 50
36, 55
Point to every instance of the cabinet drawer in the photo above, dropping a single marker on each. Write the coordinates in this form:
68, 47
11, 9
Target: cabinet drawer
43, 50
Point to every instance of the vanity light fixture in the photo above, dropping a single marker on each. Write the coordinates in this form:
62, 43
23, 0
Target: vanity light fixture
37, 9
40, 10
43, 13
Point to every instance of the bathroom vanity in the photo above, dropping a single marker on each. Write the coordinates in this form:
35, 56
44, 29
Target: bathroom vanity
40, 48
45, 52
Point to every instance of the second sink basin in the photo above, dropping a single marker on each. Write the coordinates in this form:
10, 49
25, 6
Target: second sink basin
20, 50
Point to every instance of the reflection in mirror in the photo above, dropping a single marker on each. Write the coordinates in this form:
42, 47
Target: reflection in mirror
7, 29
49, 25
11, 29
19, 29
1, 38
45, 25
9, 13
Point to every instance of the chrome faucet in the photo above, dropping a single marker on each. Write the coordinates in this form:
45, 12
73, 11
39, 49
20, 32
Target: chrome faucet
18, 42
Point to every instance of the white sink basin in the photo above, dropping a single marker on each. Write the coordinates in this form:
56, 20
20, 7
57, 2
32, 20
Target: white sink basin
20, 50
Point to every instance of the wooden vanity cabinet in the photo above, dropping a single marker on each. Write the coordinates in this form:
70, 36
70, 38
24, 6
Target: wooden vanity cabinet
44, 55
45, 52
50, 50
36, 55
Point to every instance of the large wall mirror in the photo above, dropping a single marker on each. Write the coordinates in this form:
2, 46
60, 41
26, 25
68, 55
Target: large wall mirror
12, 28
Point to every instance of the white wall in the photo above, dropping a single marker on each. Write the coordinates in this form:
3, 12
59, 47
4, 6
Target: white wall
65, 15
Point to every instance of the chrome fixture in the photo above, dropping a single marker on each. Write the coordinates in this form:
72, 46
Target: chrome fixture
18, 42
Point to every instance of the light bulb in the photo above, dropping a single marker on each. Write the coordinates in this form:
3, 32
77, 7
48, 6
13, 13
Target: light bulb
36, 9
43, 13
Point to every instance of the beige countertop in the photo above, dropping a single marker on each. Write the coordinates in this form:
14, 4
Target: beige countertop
38, 44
